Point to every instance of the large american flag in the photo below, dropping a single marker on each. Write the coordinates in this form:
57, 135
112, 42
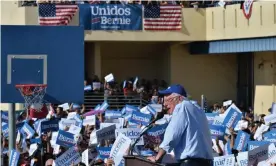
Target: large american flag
56, 14
167, 17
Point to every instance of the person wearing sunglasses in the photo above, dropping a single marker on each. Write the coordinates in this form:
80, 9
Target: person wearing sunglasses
188, 133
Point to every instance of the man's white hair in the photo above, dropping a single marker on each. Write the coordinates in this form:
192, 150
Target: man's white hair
174, 95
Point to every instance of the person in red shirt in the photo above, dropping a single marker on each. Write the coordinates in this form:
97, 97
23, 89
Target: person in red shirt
39, 114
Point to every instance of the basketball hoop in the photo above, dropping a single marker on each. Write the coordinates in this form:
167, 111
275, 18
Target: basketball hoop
33, 94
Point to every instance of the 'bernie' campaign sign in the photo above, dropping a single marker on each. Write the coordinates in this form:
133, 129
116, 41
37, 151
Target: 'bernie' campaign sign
233, 116
155, 135
65, 139
49, 125
69, 157
210, 117
241, 141
217, 131
103, 152
255, 144
132, 133
140, 118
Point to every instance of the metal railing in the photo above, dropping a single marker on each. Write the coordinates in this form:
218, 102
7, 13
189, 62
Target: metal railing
116, 101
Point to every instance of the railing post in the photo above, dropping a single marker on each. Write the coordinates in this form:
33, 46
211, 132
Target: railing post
202, 102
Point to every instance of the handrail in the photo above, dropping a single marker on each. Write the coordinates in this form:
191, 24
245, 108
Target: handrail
115, 101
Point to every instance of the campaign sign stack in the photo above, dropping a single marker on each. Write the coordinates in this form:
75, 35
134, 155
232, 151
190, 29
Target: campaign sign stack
257, 149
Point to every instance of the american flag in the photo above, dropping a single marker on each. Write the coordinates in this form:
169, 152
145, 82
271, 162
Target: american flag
55, 14
164, 17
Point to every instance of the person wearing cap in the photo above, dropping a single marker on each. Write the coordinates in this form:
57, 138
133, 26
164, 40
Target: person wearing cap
188, 133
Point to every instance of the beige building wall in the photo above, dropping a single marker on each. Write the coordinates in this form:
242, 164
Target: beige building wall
264, 81
128, 59
215, 76
230, 22
4, 107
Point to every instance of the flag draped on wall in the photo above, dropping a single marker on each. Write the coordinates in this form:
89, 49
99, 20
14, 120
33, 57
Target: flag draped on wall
160, 18
56, 14
247, 8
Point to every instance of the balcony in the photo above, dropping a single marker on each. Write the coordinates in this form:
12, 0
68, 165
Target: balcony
216, 23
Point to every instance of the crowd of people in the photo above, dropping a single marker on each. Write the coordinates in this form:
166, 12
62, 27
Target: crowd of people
70, 135
143, 88
186, 4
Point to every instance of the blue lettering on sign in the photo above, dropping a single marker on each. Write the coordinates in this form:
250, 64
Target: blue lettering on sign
111, 17
257, 155
131, 134
220, 162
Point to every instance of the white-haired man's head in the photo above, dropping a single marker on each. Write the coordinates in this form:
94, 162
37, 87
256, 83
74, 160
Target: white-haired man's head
170, 101
173, 95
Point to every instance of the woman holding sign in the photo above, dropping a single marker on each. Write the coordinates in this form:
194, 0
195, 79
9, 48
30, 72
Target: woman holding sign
187, 134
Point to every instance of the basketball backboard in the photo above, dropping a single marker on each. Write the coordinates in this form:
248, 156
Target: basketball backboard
52, 55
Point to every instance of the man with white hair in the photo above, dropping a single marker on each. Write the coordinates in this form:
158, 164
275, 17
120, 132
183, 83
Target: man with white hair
188, 132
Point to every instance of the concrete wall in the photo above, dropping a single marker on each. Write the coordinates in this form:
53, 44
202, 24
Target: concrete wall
230, 23
264, 81
129, 59
214, 76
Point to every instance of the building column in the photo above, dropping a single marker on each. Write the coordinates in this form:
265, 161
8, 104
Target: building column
97, 60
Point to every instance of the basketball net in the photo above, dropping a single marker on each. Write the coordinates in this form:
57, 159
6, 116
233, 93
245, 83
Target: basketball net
33, 95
